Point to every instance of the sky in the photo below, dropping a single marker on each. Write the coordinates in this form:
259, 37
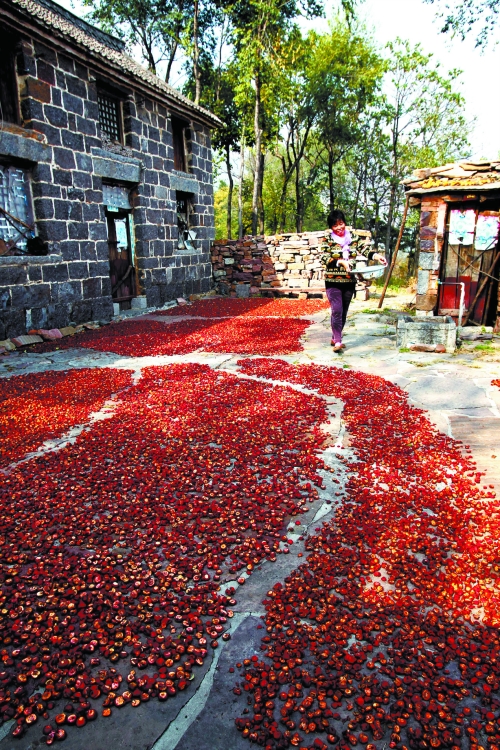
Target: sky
417, 21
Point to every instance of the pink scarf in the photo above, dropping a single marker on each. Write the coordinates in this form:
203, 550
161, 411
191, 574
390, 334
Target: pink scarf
344, 242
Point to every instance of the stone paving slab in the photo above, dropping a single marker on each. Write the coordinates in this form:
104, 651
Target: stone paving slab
433, 391
484, 443
214, 726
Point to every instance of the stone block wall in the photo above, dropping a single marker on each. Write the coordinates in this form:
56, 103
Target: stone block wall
61, 141
286, 262
432, 224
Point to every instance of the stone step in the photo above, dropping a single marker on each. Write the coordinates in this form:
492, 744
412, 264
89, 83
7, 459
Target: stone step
483, 437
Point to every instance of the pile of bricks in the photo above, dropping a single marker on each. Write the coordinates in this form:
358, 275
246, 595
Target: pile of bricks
280, 264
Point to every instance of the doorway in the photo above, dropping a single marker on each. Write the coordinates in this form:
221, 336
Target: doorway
121, 268
471, 257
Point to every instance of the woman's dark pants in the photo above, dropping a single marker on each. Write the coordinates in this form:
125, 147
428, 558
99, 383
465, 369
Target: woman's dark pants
339, 300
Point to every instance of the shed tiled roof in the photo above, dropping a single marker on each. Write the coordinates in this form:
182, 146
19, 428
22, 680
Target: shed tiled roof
464, 175
107, 48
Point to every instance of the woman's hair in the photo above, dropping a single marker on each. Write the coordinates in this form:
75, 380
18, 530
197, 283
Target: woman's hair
335, 216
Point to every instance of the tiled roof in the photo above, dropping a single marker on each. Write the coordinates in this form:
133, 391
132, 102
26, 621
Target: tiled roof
465, 175
105, 47
101, 36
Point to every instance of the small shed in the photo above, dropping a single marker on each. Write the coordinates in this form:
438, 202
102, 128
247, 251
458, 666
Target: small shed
459, 252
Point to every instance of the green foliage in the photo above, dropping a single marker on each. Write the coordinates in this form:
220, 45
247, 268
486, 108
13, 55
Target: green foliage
320, 120
157, 27
424, 119
466, 15
344, 75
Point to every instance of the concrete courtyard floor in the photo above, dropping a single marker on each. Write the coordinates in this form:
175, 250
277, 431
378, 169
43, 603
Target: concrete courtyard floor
456, 392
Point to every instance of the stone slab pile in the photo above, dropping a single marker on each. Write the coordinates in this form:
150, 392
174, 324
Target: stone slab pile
289, 261
278, 263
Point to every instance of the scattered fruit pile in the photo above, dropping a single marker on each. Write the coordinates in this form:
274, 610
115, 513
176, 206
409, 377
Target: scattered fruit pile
143, 338
112, 549
41, 406
256, 307
387, 636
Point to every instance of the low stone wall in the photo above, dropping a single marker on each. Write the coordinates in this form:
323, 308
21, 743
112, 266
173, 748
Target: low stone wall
427, 334
288, 262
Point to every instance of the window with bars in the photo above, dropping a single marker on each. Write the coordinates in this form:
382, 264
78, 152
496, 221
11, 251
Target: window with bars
16, 217
109, 116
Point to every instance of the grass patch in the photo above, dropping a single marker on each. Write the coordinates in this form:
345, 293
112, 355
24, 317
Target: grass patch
383, 311
404, 349
409, 310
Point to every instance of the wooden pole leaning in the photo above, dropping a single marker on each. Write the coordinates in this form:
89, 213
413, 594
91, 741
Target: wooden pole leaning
396, 249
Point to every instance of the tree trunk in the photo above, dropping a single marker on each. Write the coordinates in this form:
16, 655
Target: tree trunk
356, 203
229, 193
196, 54
171, 59
376, 224
331, 191
257, 192
240, 186
366, 220
219, 66
261, 201
299, 200
282, 219
394, 186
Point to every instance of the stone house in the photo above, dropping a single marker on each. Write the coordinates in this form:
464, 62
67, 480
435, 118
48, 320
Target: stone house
106, 194
459, 251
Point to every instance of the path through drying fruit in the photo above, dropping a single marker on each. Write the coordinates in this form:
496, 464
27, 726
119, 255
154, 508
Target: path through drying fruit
202, 550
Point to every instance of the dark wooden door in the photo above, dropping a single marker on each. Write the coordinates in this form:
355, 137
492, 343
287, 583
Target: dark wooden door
121, 270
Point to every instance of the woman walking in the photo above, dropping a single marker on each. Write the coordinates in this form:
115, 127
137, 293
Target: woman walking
340, 282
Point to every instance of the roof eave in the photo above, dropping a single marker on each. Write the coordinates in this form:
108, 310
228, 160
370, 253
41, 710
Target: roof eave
454, 189
44, 32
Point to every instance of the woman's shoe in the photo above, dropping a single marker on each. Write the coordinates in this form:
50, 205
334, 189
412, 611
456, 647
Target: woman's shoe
338, 347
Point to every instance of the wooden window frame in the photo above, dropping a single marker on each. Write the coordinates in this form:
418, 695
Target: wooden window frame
105, 96
179, 143
9, 94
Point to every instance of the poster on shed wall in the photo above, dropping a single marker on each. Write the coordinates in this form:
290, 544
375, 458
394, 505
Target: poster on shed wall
486, 232
462, 225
